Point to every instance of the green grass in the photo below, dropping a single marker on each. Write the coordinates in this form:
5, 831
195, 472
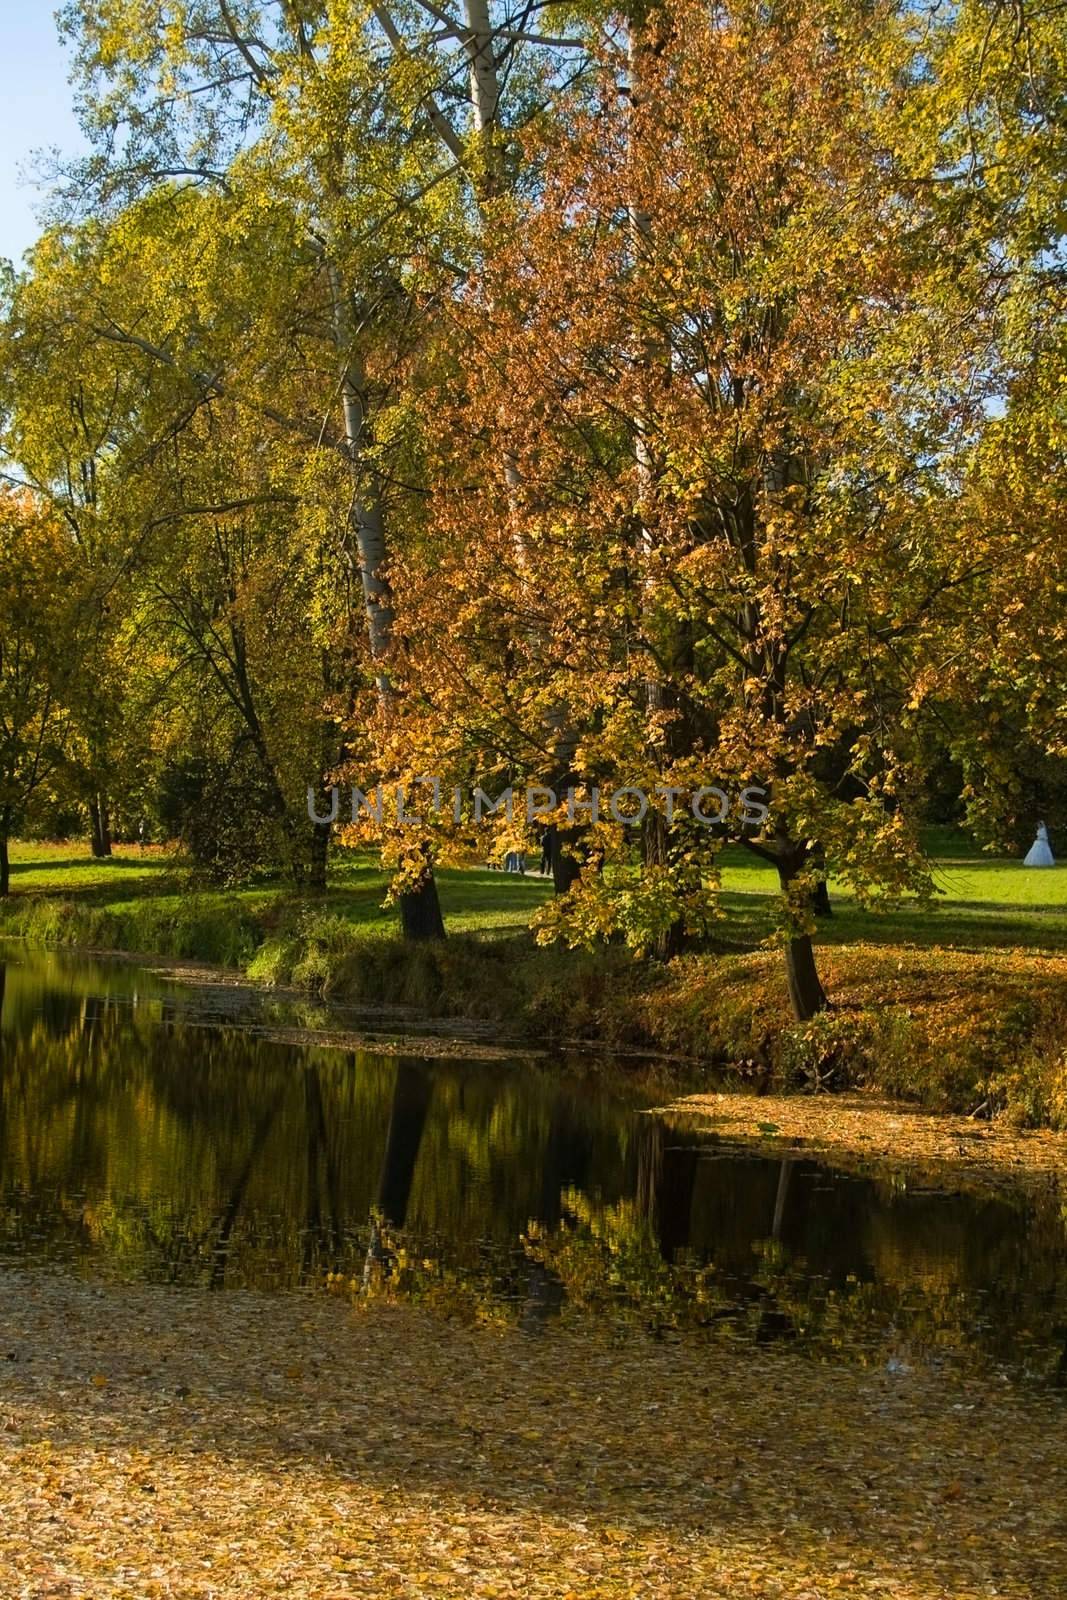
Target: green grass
981, 901
148, 893
70, 869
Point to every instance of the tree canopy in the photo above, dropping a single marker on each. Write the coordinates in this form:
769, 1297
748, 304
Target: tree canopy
667, 400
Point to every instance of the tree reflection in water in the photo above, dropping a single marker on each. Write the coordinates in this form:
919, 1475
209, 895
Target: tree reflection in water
136, 1140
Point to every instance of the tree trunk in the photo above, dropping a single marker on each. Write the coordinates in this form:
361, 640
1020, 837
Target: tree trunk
566, 869
655, 833
5, 859
655, 838
806, 993
821, 903
100, 827
320, 849
480, 45
420, 910
420, 907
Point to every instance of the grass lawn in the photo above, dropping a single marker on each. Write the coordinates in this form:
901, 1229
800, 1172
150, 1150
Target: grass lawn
981, 901
475, 900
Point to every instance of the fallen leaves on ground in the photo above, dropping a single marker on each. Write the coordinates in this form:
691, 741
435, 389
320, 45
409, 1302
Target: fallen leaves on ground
949, 1029
252, 1446
948, 1151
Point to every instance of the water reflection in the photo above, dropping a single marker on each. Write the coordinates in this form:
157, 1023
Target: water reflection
135, 1140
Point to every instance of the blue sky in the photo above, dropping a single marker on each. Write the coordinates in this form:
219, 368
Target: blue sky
35, 112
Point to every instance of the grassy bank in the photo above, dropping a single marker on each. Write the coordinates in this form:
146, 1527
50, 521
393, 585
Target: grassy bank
962, 1007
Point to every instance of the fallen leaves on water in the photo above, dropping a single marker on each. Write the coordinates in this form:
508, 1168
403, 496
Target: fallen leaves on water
329, 1453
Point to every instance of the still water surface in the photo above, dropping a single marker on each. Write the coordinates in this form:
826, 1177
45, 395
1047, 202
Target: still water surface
149, 1131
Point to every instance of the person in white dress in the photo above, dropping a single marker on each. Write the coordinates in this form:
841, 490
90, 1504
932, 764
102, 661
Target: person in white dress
1040, 854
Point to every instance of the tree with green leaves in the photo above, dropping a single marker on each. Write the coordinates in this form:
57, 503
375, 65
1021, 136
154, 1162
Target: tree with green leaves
375, 134
40, 640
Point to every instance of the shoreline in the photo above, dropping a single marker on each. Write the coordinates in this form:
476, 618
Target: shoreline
948, 1029
438, 1038
853, 1129
878, 1137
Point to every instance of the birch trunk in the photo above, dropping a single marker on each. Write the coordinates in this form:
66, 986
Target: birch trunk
420, 907
365, 517
100, 827
488, 181
485, 93
657, 847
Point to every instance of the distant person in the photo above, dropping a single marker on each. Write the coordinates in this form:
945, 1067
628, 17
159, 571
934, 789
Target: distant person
546, 853
1040, 854
141, 831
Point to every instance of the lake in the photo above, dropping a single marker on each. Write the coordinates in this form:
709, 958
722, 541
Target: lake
153, 1131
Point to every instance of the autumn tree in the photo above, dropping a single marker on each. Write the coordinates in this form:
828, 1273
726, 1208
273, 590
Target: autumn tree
722, 378
376, 132
39, 645
994, 101
62, 417
216, 562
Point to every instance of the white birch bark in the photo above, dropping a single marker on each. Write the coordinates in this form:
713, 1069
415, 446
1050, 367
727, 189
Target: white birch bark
365, 515
485, 81
640, 235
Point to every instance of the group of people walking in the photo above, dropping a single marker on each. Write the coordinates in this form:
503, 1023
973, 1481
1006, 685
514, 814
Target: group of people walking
515, 860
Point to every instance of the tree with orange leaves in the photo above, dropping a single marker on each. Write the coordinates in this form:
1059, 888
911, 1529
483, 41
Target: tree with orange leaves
714, 390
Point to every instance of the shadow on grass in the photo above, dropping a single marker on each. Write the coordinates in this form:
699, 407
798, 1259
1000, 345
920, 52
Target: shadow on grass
956, 928
86, 865
484, 900
102, 885
484, 892
963, 925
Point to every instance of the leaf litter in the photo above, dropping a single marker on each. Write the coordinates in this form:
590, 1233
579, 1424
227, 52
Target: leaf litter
159, 1442
868, 1130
